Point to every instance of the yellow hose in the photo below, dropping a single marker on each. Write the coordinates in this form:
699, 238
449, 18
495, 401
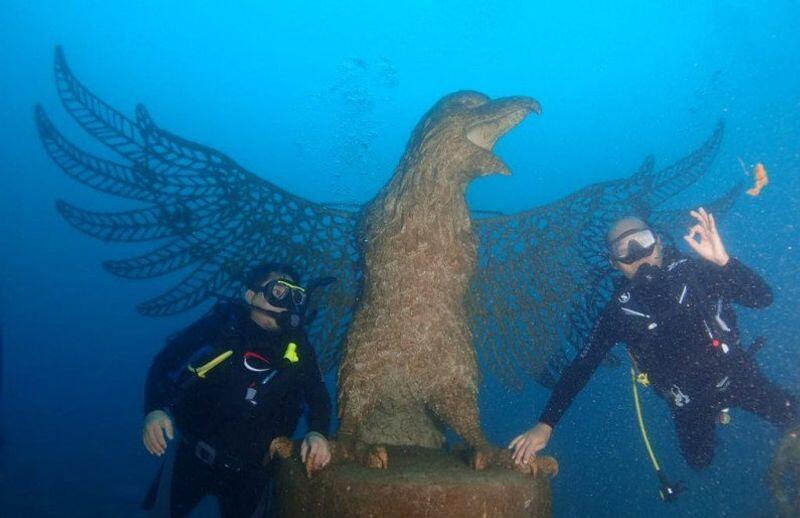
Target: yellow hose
641, 422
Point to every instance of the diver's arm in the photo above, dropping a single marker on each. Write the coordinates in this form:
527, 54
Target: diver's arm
315, 450
724, 274
738, 283
575, 377
316, 395
160, 389
525, 446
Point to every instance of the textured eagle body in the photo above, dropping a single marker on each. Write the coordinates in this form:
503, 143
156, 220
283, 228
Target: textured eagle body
410, 363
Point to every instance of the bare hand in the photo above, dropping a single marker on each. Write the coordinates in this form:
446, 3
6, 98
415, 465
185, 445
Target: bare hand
315, 452
705, 240
527, 445
157, 424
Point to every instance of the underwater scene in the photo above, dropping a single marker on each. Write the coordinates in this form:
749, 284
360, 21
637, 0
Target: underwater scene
422, 258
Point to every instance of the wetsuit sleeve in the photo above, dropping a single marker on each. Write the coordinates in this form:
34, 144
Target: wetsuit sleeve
160, 388
316, 395
738, 283
604, 336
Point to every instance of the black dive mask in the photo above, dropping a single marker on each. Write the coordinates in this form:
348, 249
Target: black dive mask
283, 294
633, 245
290, 297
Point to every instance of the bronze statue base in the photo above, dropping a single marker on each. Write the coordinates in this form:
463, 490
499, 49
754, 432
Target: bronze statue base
420, 482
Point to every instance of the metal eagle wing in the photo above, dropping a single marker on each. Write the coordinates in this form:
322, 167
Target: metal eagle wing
212, 219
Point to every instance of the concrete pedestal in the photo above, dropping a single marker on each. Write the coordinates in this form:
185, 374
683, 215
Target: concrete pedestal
420, 482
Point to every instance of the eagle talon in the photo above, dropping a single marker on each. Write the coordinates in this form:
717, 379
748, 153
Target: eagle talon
280, 446
548, 466
376, 457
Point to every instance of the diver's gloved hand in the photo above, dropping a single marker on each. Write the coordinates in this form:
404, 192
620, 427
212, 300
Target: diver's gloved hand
527, 445
704, 238
315, 452
157, 424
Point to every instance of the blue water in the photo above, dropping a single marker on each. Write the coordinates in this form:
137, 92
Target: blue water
320, 98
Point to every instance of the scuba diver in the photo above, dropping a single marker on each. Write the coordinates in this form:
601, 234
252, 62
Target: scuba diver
675, 316
231, 384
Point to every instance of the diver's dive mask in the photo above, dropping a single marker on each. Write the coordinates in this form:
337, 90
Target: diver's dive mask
288, 296
282, 293
632, 245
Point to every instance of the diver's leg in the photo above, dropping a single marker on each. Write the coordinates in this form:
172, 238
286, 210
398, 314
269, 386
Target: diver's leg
754, 392
151, 497
240, 494
696, 428
191, 481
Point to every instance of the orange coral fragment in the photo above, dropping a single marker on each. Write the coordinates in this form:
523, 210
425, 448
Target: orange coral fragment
761, 179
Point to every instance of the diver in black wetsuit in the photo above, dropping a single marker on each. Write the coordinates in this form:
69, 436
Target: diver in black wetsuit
674, 315
233, 382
